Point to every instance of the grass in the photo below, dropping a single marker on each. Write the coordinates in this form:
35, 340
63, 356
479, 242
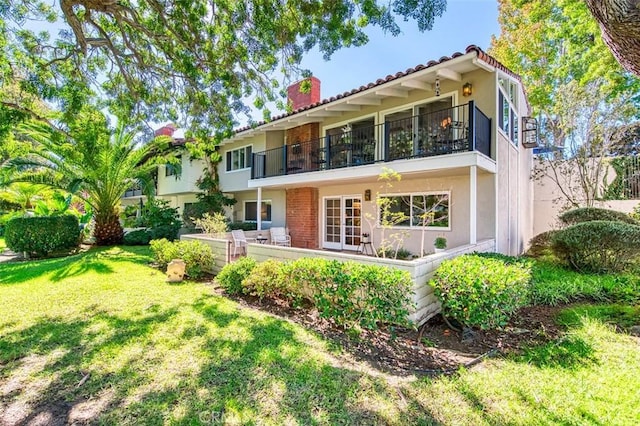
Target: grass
3, 245
100, 337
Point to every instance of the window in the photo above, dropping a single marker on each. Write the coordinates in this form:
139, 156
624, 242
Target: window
508, 102
170, 170
250, 211
238, 159
415, 210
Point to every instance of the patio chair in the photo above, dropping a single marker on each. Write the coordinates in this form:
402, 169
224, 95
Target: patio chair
279, 237
240, 241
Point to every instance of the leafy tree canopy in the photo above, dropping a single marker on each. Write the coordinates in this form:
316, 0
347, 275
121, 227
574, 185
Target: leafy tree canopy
194, 62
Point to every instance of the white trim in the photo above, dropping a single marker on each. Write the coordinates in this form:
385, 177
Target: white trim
411, 194
495, 176
323, 221
473, 204
323, 132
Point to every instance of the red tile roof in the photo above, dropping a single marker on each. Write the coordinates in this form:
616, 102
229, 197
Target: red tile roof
482, 55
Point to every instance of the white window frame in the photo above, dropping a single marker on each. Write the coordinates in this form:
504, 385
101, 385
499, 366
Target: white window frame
247, 164
513, 106
421, 194
244, 210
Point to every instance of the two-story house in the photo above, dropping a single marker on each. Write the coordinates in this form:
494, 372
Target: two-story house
456, 129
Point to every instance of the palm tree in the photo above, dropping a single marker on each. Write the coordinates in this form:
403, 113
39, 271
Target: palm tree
97, 167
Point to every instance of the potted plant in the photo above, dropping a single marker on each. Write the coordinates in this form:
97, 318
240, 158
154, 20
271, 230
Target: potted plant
440, 244
364, 238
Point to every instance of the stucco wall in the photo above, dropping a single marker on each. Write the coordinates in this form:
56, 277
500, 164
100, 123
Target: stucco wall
185, 183
219, 247
278, 205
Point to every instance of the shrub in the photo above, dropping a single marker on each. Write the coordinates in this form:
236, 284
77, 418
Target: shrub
160, 220
391, 253
233, 274
350, 292
540, 245
196, 255
267, 279
245, 226
139, 237
481, 291
598, 246
589, 214
41, 236
212, 224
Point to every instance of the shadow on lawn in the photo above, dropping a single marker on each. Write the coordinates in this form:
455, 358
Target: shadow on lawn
58, 269
250, 368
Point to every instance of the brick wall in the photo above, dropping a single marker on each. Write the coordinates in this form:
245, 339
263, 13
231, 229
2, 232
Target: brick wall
298, 99
305, 157
302, 217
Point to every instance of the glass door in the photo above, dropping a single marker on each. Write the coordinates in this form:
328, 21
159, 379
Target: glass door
342, 223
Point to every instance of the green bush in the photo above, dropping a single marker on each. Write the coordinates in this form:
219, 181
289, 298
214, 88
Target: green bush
598, 246
139, 237
589, 214
267, 280
160, 220
390, 253
233, 274
197, 256
41, 236
245, 226
540, 245
481, 291
350, 292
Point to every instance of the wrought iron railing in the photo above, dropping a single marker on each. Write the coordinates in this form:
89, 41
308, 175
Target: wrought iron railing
457, 129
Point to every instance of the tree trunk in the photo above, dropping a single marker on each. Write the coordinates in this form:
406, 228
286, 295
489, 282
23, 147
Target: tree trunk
108, 230
620, 24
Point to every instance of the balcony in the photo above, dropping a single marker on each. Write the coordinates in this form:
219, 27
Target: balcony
459, 129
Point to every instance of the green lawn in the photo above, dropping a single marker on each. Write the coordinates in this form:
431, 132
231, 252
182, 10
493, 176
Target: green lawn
2, 244
100, 337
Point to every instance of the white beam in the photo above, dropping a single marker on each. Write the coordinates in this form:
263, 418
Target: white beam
344, 107
397, 93
417, 84
364, 101
449, 74
259, 210
324, 114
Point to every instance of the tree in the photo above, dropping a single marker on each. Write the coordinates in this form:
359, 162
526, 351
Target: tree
576, 88
193, 62
88, 161
620, 25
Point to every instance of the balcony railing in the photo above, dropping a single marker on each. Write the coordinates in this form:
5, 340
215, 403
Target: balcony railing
458, 129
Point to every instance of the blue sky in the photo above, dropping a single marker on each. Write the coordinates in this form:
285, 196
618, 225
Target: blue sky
465, 22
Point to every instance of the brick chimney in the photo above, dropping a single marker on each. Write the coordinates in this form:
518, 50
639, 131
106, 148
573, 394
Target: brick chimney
300, 100
167, 130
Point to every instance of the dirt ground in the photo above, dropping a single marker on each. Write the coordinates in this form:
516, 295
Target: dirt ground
434, 348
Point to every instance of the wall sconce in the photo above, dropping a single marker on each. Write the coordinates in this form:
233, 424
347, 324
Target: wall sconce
437, 87
467, 89
367, 195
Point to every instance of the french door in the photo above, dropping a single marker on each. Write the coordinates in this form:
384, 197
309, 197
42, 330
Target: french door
342, 223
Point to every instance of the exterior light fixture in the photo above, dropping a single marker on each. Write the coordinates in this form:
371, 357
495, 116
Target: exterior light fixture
367, 195
467, 89
437, 87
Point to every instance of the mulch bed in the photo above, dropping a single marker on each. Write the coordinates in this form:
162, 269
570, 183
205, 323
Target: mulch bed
433, 349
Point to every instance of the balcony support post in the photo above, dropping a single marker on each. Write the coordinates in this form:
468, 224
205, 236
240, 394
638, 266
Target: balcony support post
472, 125
259, 210
473, 204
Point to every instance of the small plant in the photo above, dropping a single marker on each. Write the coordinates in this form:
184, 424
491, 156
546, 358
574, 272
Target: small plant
215, 225
480, 291
233, 274
440, 243
197, 256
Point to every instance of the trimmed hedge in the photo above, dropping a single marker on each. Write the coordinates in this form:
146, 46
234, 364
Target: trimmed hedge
40, 236
482, 291
540, 245
589, 214
349, 293
139, 237
598, 246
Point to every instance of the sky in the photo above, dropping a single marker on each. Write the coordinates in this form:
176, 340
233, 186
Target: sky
465, 22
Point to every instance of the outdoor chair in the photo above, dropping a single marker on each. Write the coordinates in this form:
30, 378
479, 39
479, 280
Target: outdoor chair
240, 241
279, 237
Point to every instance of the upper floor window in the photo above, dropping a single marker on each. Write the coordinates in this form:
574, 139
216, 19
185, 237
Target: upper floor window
239, 158
170, 170
508, 104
